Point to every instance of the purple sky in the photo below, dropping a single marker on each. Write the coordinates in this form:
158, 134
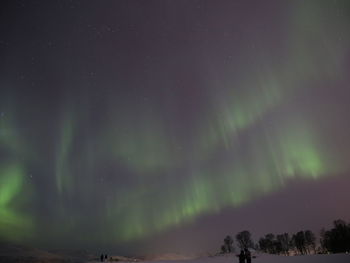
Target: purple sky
162, 126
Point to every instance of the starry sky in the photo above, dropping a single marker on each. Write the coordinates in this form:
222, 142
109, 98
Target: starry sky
162, 126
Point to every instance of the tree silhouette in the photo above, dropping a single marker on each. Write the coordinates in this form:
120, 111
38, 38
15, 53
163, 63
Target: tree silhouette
228, 243
300, 242
337, 239
223, 249
267, 243
310, 241
284, 241
263, 245
244, 239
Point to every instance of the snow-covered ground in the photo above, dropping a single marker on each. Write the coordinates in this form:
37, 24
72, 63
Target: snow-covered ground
336, 258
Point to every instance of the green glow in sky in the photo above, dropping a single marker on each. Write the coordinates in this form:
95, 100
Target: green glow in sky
63, 155
14, 225
143, 145
293, 153
238, 112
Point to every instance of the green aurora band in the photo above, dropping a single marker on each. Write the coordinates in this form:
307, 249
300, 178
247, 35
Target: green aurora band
290, 155
14, 224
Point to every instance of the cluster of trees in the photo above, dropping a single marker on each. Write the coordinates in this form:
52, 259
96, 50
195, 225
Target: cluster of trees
303, 242
335, 240
244, 240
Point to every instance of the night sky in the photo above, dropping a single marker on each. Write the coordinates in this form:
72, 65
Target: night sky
162, 126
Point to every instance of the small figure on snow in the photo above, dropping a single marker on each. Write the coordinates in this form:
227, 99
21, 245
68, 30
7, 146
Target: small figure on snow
241, 257
248, 255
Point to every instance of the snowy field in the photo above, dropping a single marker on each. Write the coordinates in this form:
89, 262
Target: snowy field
337, 258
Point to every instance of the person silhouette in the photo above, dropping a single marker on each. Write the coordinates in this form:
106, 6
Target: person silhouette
248, 255
102, 257
241, 257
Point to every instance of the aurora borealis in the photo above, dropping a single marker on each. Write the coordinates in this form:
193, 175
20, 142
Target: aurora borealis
135, 125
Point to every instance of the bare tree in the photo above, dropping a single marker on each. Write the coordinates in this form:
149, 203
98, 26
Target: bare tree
228, 243
223, 249
284, 240
300, 243
310, 241
244, 239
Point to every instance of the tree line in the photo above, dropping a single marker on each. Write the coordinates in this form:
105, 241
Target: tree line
334, 240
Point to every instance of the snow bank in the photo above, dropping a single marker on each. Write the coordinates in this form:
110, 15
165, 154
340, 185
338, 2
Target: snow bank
336, 258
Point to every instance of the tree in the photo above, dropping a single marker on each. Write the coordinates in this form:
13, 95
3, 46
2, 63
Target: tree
292, 245
337, 239
277, 247
228, 243
244, 239
263, 245
324, 241
223, 249
268, 244
269, 241
310, 241
300, 243
284, 240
